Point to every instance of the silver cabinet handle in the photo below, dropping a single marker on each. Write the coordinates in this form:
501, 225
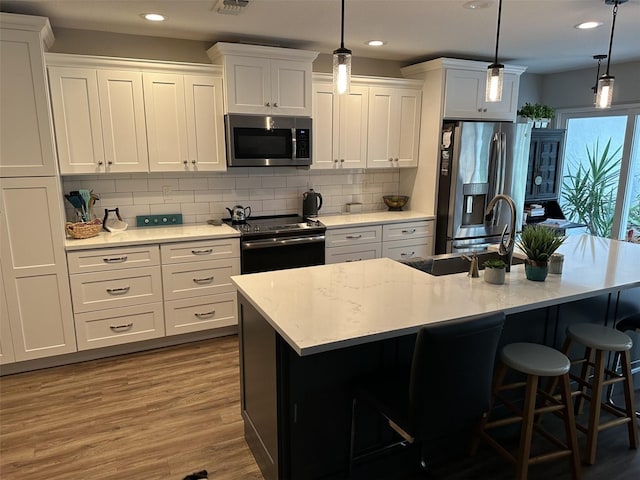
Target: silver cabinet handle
118, 291
202, 252
410, 254
110, 162
205, 315
353, 236
185, 162
354, 260
193, 161
100, 162
115, 259
201, 281
275, 104
391, 159
480, 110
395, 159
335, 161
120, 328
413, 230
268, 104
342, 160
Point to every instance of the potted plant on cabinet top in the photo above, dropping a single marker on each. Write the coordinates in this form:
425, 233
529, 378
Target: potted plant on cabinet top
538, 243
494, 271
540, 115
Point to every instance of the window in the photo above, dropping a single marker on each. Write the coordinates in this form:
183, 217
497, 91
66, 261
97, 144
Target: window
601, 170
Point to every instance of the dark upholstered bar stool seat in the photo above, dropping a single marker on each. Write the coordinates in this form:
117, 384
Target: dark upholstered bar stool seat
534, 361
629, 323
594, 376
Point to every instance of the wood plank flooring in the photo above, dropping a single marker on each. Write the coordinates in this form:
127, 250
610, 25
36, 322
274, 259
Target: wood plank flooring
162, 414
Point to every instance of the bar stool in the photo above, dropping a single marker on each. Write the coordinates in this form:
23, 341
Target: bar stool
597, 341
534, 361
630, 323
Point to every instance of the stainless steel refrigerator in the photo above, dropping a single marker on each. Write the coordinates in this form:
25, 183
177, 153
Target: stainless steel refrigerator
479, 160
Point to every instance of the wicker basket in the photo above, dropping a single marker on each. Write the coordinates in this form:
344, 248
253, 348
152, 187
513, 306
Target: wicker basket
83, 229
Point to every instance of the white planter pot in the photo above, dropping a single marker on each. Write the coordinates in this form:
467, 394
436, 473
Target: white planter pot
494, 275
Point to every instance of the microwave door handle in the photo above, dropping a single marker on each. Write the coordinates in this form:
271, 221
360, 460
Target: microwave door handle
293, 143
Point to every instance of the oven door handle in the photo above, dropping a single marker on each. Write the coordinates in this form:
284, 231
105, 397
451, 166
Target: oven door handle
281, 242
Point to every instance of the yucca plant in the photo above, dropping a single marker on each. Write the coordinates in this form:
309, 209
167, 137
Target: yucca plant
588, 193
538, 243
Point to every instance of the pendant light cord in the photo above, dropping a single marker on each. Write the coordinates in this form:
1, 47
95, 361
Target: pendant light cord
613, 26
342, 28
495, 61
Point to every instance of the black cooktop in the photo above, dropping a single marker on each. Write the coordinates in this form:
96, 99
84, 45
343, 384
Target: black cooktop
277, 225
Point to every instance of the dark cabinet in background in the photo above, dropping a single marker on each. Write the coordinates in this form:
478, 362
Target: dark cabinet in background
544, 174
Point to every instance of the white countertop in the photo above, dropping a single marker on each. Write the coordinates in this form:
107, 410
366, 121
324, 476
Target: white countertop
150, 235
326, 307
356, 219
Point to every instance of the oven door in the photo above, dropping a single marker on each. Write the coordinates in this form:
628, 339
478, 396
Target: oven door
278, 253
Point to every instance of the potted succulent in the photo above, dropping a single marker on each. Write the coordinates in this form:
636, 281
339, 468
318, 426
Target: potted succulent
538, 243
494, 271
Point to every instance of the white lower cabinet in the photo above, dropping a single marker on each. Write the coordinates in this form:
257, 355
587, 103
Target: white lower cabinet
201, 313
406, 249
353, 253
401, 241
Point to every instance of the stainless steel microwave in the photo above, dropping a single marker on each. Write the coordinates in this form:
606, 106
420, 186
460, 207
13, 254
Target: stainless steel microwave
265, 141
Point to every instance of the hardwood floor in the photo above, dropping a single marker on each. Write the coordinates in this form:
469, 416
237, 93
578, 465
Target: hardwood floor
166, 413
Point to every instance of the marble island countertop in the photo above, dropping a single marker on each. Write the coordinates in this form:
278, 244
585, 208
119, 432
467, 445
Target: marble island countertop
322, 308
370, 218
150, 235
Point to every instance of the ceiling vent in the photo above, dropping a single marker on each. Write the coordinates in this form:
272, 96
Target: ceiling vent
231, 7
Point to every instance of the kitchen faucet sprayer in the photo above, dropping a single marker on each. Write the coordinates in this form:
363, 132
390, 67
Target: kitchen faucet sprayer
506, 250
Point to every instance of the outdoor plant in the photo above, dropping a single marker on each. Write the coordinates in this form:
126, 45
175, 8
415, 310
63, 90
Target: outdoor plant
588, 191
497, 263
538, 243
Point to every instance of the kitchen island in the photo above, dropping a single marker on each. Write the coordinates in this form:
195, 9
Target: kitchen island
306, 333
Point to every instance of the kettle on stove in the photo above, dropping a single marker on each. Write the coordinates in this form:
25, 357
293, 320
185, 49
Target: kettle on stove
311, 203
239, 214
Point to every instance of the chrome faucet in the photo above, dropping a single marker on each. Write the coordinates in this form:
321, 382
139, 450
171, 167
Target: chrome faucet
505, 250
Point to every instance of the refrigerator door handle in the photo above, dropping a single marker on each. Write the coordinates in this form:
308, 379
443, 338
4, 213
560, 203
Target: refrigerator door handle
503, 160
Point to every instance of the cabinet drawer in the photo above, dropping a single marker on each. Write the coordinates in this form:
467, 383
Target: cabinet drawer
184, 280
119, 325
405, 249
201, 313
353, 236
403, 231
199, 251
353, 253
119, 288
112, 259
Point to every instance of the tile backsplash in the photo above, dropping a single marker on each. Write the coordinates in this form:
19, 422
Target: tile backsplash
203, 196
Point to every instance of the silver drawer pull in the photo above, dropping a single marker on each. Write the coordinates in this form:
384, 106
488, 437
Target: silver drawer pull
202, 252
354, 260
413, 230
410, 254
354, 236
205, 315
200, 281
120, 328
118, 291
115, 259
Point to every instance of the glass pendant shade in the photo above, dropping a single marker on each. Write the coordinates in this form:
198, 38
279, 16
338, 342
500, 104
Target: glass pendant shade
342, 71
605, 91
495, 74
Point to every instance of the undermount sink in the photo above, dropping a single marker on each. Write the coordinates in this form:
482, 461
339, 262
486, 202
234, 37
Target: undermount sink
448, 264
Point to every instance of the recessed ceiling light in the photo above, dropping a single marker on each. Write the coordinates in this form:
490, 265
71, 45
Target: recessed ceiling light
476, 4
153, 17
588, 25
376, 43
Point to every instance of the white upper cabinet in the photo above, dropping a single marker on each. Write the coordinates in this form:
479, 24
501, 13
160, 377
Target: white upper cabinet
340, 127
394, 127
185, 127
265, 80
465, 96
99, 120
26, 139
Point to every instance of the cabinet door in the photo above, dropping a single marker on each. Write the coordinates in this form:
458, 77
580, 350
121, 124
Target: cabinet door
76, 116
291, 88
123, 124
34, 268
248, 84
205, 123
353, 126
325, 127
6, 339
166, 122
26, 140
461, 94
507, 108
409, 105
544, 173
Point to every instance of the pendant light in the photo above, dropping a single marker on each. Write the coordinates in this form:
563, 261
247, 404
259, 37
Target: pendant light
605, 83
495, 71
342, 64
595, 86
